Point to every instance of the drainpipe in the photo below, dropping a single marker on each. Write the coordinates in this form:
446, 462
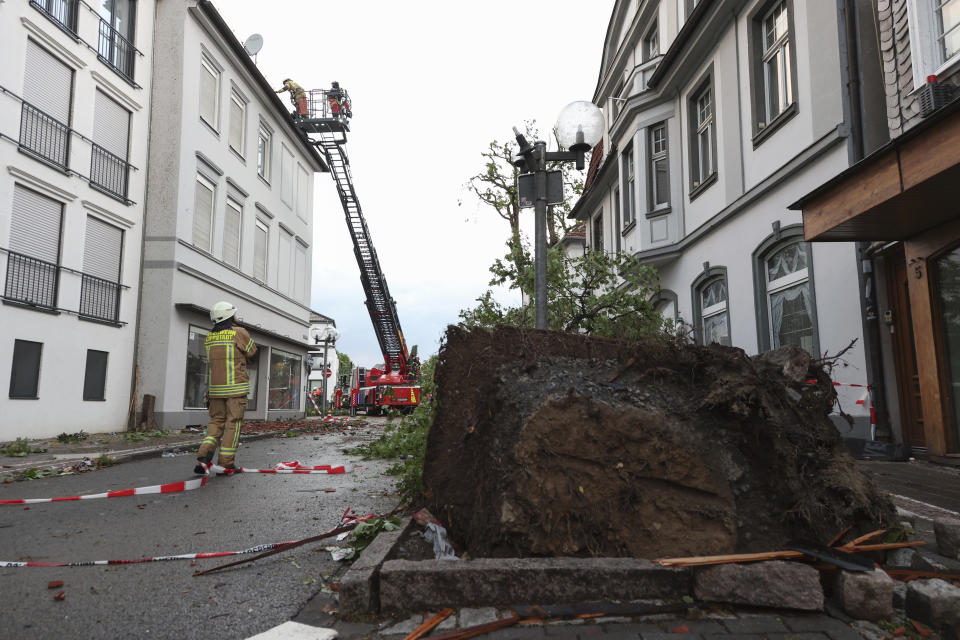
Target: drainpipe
866, 271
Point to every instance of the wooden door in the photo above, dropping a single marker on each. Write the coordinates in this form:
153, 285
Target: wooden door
904, 351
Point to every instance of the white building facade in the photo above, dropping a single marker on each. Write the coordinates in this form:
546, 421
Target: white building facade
319, 324
230, 203
721, 113
74, 121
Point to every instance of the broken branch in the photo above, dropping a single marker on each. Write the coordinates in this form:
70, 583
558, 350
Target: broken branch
428, 625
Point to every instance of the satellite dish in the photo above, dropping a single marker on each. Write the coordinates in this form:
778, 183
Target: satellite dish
253, 44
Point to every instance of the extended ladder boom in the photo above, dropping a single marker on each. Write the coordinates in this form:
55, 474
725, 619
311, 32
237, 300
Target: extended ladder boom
380, 305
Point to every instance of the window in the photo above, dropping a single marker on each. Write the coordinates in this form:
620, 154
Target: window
303, 192
108, 154
47, 103
300, 273
25, 370
285, 262
33, 261
203, 214
787, 313
597, 232
253, 371
948, 27
285, 372
773, 68
115, 44
710, 310
197, 380
63, 12
629, 183
209, 93
232, 223
263, 153
261, 236
95, 375
651, 43
703, 141
616, 206
100, 282
238, 114
287, 178
659, 170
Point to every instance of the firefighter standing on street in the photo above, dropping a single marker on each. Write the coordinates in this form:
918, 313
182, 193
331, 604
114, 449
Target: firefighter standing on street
297, 96
228, 350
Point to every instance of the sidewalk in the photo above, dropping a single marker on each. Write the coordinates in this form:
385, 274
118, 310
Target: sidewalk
127, 446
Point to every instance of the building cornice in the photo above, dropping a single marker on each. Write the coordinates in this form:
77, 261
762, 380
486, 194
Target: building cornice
47, 40
47, 188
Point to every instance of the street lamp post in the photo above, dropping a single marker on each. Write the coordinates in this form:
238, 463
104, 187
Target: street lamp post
329, 337
579, 127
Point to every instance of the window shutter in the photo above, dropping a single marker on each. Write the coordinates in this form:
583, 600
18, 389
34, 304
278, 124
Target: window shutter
202, 216
260, 254
231, 234
111, 125
284, 262
35, 225
286, 176
303, 182
101, 251
208, 96
300, 274
236, 125
47, 83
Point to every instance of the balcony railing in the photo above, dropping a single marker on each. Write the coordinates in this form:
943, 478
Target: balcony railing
63, 12
44, 136
115, 50
99, 298
31, 281
108, 172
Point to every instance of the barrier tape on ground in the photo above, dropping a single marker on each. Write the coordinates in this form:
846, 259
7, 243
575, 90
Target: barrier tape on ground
345, 519
188, 485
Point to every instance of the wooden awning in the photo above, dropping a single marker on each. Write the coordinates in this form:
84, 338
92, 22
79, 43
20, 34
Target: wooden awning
904, 188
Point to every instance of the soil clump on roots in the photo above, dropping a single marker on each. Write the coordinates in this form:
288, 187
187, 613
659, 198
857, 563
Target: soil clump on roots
554, 444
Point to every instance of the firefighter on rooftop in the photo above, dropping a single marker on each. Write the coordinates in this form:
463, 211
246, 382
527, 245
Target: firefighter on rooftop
228, 351
297, 96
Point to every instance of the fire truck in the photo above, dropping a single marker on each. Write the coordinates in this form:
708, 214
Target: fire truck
394, 382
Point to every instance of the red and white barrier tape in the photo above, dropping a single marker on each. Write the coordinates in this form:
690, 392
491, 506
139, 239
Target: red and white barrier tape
187, 485
867, 396
172, 487
345, 519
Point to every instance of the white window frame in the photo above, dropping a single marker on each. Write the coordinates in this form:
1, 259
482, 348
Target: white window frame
658, 155
208, 66
264, 151
205, 182
780, 284
651, 42
704, 134
926, 51
630, 186
235, 99
777, 52
713, 310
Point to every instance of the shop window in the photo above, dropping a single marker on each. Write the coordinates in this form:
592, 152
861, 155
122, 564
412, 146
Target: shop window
286, 371
198, 376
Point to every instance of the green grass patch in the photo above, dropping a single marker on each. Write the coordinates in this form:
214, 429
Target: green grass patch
72, 438
20, 448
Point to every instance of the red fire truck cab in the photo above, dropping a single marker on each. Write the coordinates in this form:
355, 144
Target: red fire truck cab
374, 391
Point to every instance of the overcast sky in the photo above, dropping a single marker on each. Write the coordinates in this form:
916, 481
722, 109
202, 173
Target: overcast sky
431, 82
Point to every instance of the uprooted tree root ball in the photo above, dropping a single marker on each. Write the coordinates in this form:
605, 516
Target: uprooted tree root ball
548, 443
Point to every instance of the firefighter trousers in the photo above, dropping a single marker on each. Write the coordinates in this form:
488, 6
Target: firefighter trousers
223, 430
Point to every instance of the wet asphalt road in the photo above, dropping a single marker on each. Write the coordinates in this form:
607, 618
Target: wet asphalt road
165, 600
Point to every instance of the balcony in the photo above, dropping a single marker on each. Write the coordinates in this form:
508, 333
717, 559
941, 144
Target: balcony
31, 281
116, 51
99, 298
44, 136
108, 172
61, 12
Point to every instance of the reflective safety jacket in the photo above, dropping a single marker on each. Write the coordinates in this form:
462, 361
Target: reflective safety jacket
227, 354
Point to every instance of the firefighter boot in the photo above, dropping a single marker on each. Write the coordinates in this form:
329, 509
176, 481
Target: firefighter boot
202, 463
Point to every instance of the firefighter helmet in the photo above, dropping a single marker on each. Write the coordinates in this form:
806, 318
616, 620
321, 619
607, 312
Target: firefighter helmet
221, 311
